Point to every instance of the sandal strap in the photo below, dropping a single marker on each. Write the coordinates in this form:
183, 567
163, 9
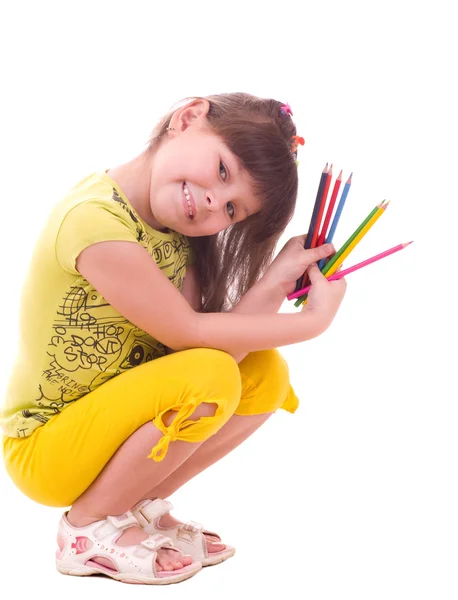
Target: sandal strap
154, 542
115, 523
188, 532
193, 527
152, 510
123, 521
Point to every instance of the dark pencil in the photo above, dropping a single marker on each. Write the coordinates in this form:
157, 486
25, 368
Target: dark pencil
316, 208
324, 197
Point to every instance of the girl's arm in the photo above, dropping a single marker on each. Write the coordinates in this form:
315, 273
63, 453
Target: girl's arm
238, 334
191, 288
260, 299
191, 291
127, 277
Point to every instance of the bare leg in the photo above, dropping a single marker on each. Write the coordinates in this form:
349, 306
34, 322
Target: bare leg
127, 475
233, 433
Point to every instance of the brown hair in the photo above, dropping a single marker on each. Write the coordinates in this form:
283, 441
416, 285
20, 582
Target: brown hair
230, 262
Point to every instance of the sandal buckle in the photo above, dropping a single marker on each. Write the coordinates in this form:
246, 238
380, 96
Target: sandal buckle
154, 509
122, 521
189, 531
193, 526
154, 542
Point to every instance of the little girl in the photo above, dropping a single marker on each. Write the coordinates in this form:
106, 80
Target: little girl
149, 330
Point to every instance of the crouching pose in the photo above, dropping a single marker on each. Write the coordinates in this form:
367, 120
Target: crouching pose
149, 334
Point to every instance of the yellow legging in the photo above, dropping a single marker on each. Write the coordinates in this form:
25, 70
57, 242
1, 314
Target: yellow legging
61, 459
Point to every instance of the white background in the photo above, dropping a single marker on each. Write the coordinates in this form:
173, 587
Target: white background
355, 496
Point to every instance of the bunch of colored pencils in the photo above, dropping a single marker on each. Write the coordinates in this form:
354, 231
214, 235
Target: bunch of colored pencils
315, 237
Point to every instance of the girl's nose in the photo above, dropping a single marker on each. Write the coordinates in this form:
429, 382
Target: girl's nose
213, 204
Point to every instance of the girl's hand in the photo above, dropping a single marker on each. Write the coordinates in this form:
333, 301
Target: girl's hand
324, 297
292, 261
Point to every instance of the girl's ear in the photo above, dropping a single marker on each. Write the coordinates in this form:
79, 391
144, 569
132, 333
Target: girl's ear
193, 113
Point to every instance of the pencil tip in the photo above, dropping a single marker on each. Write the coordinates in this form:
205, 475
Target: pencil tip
340, 174
349, 179
385, 206
408, 243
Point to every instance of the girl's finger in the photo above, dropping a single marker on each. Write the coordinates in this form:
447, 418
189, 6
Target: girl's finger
314, 273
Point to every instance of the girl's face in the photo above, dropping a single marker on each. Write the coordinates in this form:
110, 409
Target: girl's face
198, 187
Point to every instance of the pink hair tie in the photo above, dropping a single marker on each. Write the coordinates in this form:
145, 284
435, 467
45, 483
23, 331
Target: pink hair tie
285, 109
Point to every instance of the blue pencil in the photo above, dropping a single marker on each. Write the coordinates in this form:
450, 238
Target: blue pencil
335, 221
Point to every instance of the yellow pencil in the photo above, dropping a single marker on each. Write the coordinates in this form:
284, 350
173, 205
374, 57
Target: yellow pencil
381, 209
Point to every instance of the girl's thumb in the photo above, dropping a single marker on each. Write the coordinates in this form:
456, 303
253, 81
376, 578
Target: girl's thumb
316, 254
314, 273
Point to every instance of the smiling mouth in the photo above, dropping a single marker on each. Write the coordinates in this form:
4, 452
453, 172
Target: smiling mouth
188, 202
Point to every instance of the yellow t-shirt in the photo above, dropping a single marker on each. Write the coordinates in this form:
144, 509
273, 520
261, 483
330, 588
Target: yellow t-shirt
71, 339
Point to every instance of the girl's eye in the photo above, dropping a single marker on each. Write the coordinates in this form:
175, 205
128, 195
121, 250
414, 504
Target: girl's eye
223, 173
222, 170
233, 210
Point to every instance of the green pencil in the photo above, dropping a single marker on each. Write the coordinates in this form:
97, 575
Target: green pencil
338, 254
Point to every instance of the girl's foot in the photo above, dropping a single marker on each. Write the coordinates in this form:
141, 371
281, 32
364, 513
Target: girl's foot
191, 538
213, 542
167, 560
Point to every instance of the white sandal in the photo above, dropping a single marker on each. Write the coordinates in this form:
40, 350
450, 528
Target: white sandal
188, 537
78, 546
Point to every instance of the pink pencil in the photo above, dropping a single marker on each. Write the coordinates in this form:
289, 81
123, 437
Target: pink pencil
340, 274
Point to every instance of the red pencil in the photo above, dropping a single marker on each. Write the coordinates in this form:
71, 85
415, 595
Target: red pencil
321, 209
335, 191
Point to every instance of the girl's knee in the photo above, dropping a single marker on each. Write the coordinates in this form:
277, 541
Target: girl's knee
213, 381
222, 385
210, 371
267, 366
210, 404
265, 384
